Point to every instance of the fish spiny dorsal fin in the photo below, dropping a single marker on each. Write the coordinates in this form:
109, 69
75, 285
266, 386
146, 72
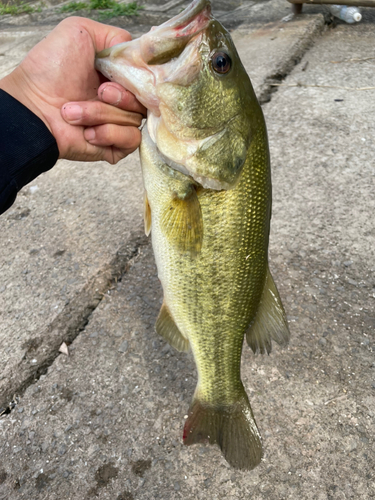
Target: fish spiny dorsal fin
147, 214
232, 427
167, 328
270, 322
182, 222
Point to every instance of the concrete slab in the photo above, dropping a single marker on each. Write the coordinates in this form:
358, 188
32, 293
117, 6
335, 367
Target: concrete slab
271, 51
106, 422
61, 247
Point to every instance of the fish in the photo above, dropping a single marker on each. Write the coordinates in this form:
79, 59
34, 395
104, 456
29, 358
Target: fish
206, 172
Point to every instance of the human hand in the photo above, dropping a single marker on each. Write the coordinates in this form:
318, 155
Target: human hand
58, 82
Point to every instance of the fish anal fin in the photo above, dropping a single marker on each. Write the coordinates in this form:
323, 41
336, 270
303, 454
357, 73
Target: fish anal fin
270, 322
182, 222
167, 328
232, 427
147, 214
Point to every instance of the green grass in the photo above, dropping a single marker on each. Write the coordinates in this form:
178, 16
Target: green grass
74, 6
18, 8
119, 9
110, 8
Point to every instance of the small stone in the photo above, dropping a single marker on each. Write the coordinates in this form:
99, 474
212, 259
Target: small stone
124, 346
177, 486
353, 282
62, 449
352, 445
44, 447
348, 263
322, 342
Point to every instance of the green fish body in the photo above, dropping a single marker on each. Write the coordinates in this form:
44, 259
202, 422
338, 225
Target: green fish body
206, 171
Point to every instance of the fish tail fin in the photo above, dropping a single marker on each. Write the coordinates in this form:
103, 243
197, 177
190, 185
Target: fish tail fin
232, 427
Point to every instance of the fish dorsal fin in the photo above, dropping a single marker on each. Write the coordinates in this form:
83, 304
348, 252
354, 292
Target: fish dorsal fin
182, 223
167, 328
270, 322
147, 214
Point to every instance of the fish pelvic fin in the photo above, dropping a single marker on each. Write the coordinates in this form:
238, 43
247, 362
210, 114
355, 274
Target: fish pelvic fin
167, 328
147, 214
182, 222
232, 427
270, 322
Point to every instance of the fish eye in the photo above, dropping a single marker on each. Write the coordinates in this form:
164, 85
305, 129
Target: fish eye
221, 62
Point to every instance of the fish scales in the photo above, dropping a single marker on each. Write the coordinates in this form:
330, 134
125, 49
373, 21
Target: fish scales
206, 172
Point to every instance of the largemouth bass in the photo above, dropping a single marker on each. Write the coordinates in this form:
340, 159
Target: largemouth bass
206, 172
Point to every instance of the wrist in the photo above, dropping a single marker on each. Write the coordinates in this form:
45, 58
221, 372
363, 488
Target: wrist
16, 86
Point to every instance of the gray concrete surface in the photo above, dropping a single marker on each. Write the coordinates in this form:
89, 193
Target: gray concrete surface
106, 422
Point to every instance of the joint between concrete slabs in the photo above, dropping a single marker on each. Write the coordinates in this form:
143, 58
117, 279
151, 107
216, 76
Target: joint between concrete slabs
314, 27
68, 324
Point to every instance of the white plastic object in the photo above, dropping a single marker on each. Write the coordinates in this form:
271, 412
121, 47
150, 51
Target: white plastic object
348, 14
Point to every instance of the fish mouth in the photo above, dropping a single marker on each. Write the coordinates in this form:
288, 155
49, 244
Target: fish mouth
169, 53
165, 41
141, 64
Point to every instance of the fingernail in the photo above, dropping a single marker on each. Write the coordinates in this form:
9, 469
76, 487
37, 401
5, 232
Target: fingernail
111, 95
89, 134
73, 112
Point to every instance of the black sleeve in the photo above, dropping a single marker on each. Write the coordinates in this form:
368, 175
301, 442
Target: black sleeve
27, 148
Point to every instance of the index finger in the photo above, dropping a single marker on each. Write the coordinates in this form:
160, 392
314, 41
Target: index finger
113, 93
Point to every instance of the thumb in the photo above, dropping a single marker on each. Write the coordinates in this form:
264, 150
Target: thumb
103, 35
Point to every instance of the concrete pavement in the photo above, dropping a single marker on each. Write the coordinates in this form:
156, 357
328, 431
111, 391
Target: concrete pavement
106, 422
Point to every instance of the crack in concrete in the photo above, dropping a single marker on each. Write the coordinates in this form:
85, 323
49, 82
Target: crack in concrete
295, 55
68, 324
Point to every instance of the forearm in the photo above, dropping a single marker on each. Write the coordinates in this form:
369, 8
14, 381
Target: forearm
27, 148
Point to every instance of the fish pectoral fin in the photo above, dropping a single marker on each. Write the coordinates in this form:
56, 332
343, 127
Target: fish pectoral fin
146, 214
270, 322
167, 328
182, 223
232, 427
